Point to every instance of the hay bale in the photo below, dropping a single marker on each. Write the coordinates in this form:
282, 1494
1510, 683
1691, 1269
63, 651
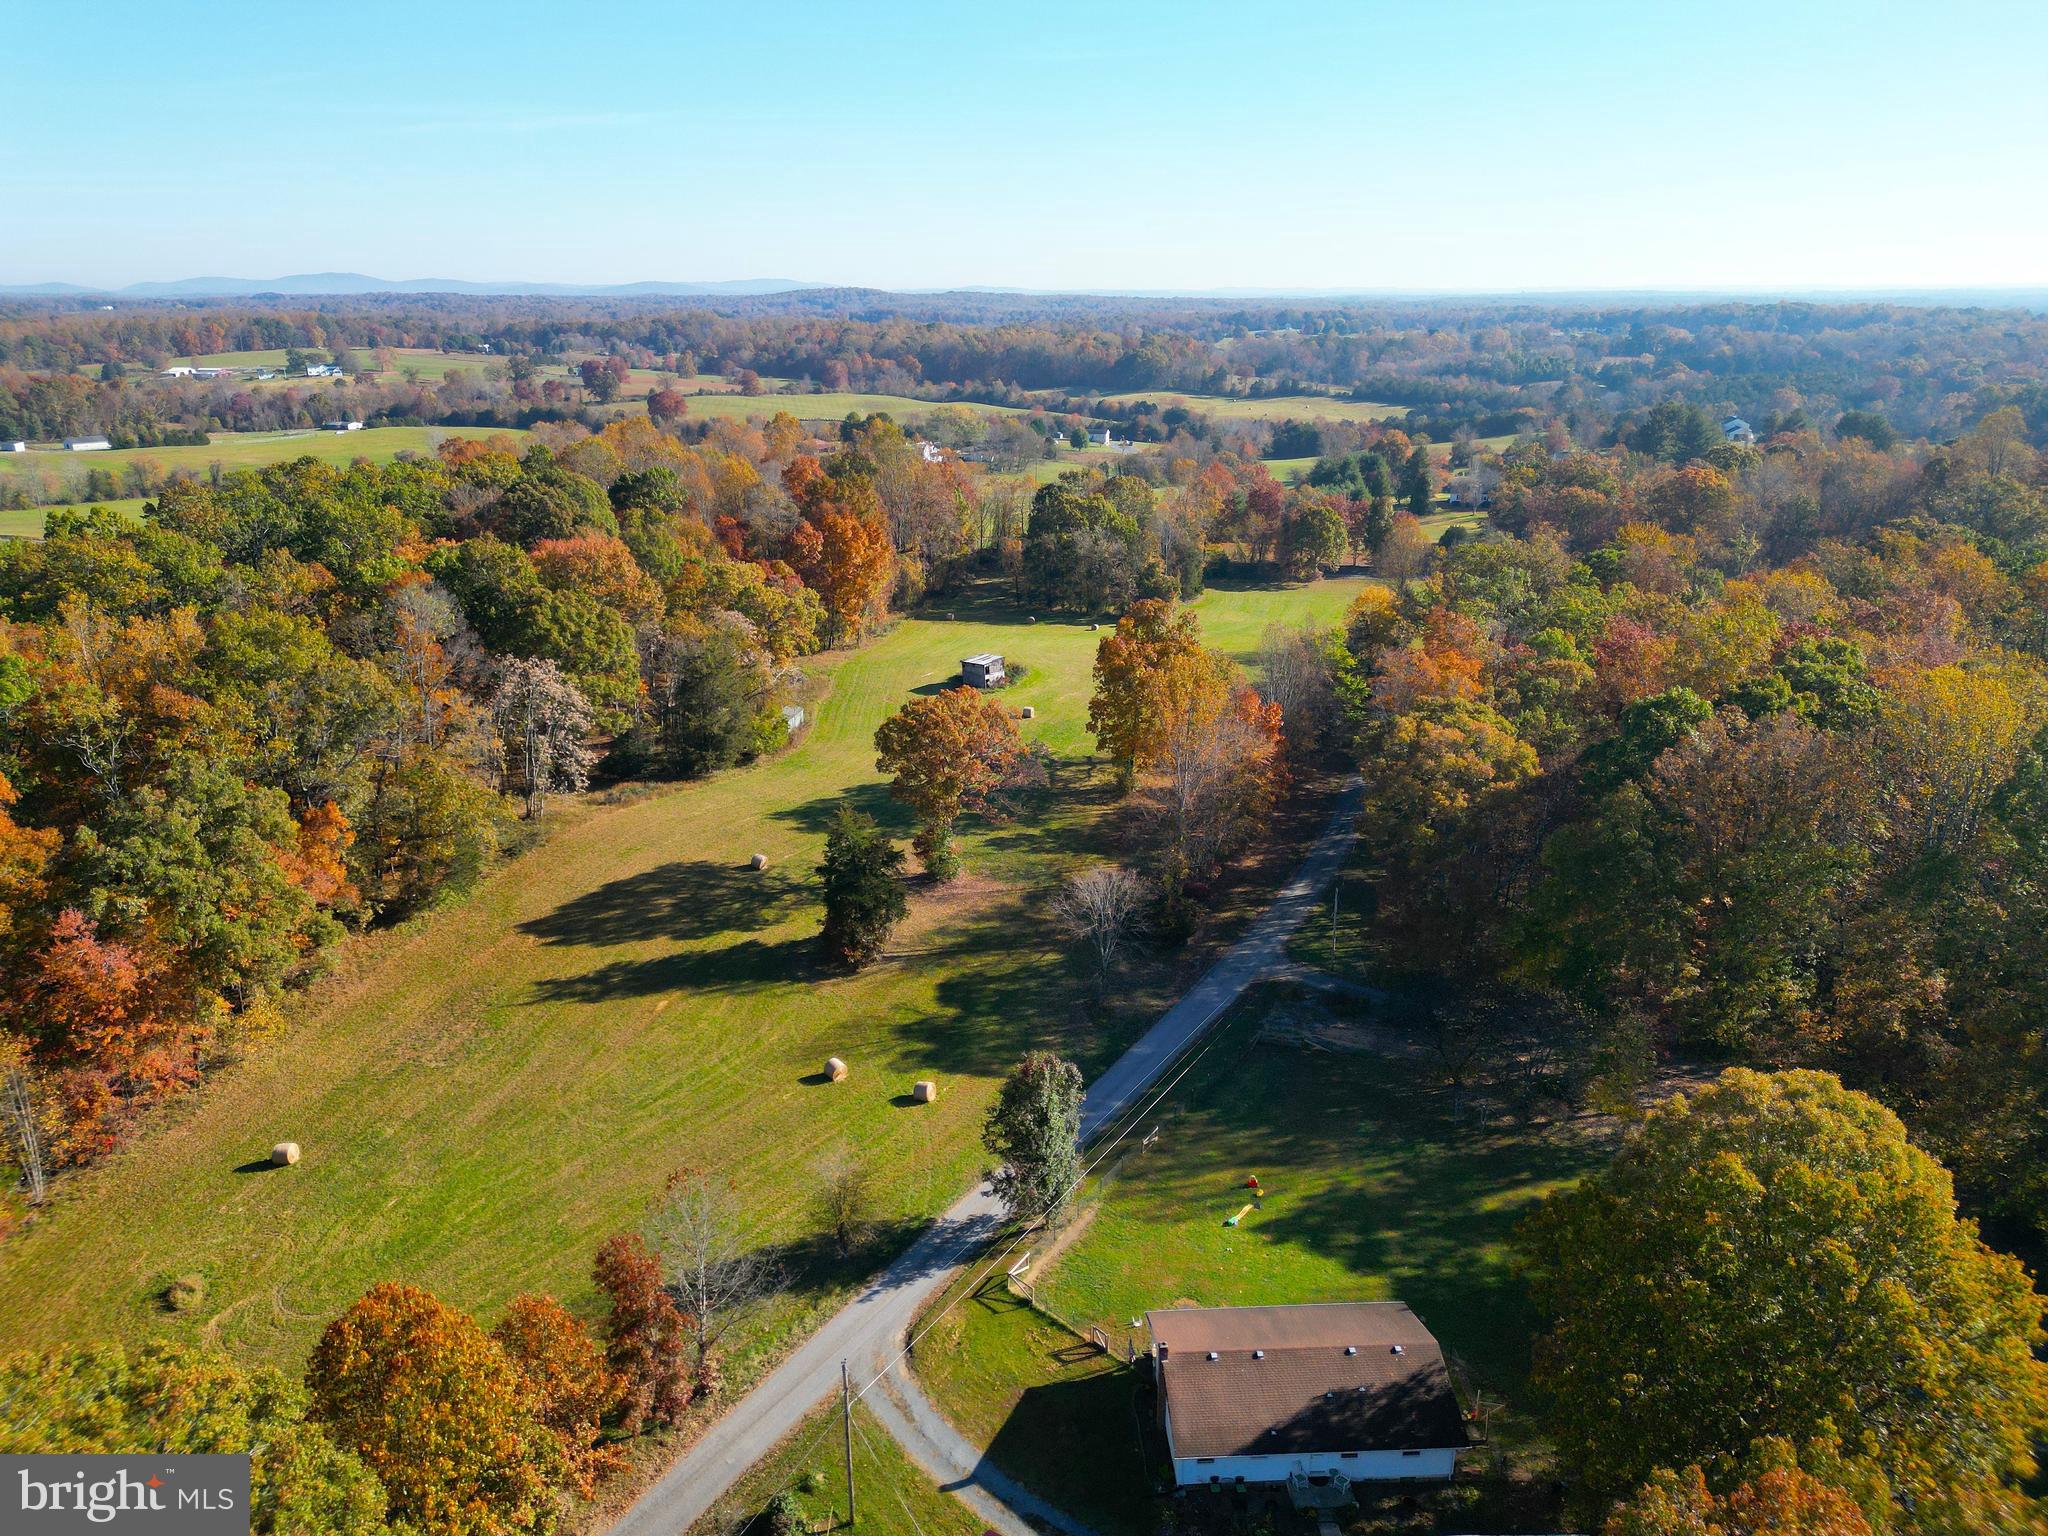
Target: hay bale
924, 1091
835, 1070
758, 861
1094, 627
1029, 713
284, 1154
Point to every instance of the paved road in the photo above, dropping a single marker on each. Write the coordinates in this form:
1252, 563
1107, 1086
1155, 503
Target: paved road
869, 1330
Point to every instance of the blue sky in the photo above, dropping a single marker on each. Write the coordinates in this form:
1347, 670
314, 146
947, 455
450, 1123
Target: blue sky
1441, 145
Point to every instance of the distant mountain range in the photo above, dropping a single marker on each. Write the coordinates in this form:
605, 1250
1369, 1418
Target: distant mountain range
342, 283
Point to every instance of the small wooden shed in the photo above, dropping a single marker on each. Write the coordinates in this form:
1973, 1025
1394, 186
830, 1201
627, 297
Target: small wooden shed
983, 671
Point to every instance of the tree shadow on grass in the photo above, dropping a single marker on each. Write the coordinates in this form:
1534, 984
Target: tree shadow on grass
733, 968
685, 900
873, 799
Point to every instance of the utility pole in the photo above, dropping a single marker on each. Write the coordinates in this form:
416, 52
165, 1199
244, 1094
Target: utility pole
846, 1425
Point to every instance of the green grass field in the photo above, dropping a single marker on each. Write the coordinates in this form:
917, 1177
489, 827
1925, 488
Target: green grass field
55, 472
831, 406
893, 1494
271, 357
485, 1093
1375, 1188
1276, 408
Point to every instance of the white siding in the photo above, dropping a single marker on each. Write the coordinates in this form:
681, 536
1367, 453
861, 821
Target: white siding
1360, 1466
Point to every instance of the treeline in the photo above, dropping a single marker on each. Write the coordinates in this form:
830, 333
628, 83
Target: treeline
1746, 755
1929, 369
306, 699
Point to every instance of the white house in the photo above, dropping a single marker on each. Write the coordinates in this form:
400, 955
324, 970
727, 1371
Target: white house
931, 453
323, 370
1356, 1390
180, 371
1736, 430
85, 444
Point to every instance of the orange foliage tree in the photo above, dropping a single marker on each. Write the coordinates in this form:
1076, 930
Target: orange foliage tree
440, 1414
948, 753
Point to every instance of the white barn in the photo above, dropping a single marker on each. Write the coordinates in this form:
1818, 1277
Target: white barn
85, 444
1356, 1390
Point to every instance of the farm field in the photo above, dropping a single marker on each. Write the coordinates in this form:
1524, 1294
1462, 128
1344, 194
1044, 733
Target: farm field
1274, 408
485, 1093
27, 522
56, 470
831, 406
1374, 1189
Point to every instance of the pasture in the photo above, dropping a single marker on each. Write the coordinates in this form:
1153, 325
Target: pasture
61, 476
1377, 1185
830, 406
486, 1092
1271, 408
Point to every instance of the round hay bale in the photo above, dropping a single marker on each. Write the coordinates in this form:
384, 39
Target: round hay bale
1029, 713
758, 861
924, 1091
284, 1154
835, 1070
1093, 627
1031, 618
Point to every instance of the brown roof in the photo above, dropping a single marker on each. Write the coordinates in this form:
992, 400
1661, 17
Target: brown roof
1281, 1382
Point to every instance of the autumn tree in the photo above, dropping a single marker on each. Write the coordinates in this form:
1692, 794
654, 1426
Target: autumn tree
1125, 713
948, 754
1771, 1256
544, 728
1033, 1131
552, 1349
645, 1345
439, 1413
174, 1399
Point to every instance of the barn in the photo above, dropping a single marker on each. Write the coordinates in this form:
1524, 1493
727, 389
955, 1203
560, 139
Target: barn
1356, 1390
983, 671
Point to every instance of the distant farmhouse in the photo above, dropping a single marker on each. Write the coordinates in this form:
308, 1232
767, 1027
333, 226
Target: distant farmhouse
323, 370
1736, 430
85, 444
1355, 1391
341, 426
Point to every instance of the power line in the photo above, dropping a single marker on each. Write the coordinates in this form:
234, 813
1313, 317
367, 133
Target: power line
1133, 1116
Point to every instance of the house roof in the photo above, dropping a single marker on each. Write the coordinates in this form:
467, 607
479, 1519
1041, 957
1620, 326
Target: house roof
1281, 1382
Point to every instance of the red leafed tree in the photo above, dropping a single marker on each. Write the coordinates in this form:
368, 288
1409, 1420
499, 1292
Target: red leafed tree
667, 405
566, 1369
841, 548
105, 1024
644, 1335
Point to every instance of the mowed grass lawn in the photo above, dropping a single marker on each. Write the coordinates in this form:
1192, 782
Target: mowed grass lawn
892, 1493
486, 1093
1374, 1190
56, 469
